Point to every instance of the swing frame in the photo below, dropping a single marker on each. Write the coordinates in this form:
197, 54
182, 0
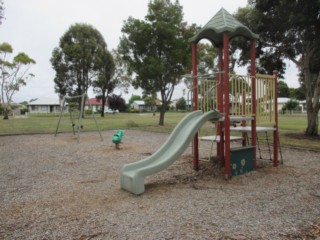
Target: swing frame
63, 107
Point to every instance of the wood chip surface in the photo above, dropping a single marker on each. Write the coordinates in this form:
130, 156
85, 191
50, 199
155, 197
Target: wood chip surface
55, 188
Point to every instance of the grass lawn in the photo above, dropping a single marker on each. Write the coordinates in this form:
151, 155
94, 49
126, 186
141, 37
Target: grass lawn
48, 123
291, 127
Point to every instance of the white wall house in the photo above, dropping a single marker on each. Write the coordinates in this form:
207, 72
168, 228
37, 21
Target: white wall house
52, 105
138, 105
97, 105
44, 105
282, 101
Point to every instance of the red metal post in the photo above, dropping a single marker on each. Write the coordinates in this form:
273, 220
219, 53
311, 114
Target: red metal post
243, 113
220, 145
226, 104
275, 133
253, 100
195, 104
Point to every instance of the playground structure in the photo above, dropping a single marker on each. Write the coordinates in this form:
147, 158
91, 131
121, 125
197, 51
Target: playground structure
76, 113
250, 100
225, 99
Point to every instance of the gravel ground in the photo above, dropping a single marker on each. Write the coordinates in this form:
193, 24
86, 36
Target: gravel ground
55, 188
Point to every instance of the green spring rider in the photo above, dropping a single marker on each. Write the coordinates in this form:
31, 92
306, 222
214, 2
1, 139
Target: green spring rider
117, 138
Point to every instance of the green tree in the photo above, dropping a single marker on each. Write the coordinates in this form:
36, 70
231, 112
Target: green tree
283, 89
290, 29
207, 54
157, 49
78, 60
291, 105
134, 98
181, 104
150, 100
105, 83
121, 72
13, 75
206, 58
300, 93
1, 11
116, 102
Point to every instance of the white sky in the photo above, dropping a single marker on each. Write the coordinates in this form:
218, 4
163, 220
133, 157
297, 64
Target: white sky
35, 27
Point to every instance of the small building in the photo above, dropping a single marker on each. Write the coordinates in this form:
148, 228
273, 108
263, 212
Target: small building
141, 106
44, 105
138, 105
97, 105
281, 102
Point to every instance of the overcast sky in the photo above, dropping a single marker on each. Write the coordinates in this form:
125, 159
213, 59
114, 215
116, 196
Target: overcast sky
35, 27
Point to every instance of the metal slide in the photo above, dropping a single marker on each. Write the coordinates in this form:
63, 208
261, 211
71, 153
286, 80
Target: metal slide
133, 175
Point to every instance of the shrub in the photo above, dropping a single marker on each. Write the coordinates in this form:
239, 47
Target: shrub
132, 110
88, 111
23, 111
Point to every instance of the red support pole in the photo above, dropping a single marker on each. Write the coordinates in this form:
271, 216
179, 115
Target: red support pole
195, 105
275, 133
253, 100
226, 104
220, 148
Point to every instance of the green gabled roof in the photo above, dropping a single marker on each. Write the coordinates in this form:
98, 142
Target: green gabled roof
220, 23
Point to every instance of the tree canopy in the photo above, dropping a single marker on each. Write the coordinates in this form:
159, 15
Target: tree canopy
288, 30
14, 74
283, 89
157, 50
78, 59
116, 102
105, 83
1, 11
181, 104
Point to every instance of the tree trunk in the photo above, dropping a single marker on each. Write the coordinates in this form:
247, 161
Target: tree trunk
5, 113
312, 128
103, 100
161, 118
312, 82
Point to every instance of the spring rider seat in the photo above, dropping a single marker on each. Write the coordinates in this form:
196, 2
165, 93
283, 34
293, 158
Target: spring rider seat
117, 138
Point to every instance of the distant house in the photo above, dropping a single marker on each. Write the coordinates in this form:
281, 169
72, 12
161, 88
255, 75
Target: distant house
97, 105
44, 105
282, 102
138, 105
173, 103
141, 106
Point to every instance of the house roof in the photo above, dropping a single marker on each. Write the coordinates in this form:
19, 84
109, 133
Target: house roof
94, 101
45, 101
283, 100
139, 102
223, 22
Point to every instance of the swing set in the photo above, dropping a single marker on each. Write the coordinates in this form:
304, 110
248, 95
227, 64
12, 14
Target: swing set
71, 106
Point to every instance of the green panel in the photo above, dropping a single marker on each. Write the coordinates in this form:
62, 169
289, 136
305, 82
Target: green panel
241, 160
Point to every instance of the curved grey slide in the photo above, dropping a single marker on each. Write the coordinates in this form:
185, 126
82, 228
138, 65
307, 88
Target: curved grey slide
133, 174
